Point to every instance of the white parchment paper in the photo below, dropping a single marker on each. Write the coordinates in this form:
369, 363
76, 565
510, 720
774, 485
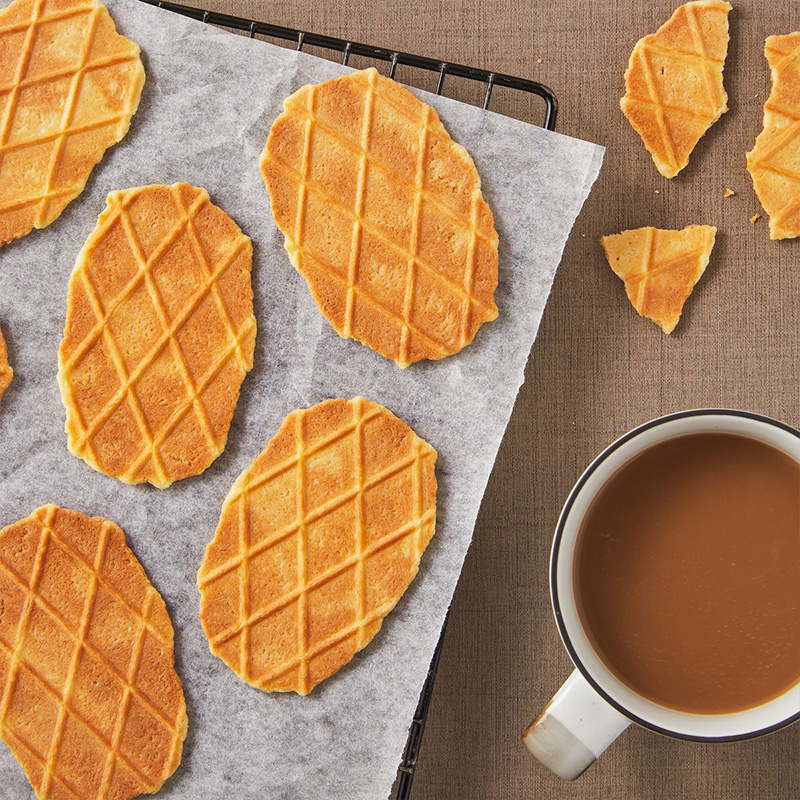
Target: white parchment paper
207, 106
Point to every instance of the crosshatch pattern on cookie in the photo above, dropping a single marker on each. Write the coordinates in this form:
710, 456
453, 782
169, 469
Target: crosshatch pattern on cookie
69, 85
673, 84
660, 268
317, 541
6, 373
383, 215
774, 162
160, 334
90, 703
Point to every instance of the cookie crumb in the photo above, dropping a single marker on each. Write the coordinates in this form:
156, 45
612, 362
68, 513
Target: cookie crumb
755, 218
658, 191
538, 60
728, 193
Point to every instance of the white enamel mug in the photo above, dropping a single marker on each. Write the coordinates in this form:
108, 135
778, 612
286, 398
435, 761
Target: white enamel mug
594, 707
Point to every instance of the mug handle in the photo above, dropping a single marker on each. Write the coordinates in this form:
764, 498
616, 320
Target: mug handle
574, 729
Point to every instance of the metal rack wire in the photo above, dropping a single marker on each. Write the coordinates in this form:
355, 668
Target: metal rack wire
394, 58
443, 69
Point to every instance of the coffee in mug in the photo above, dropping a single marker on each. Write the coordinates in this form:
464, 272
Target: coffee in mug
686, 573
675, 583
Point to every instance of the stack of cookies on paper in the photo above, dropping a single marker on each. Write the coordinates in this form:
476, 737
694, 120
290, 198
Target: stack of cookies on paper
383, 215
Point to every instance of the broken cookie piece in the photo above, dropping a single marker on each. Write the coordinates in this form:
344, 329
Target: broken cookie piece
660, 267
774, 162
673, 84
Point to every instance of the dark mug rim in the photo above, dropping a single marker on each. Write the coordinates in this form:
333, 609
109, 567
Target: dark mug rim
565, 638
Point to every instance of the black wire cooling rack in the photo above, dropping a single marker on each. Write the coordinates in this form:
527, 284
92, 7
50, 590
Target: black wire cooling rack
394, 58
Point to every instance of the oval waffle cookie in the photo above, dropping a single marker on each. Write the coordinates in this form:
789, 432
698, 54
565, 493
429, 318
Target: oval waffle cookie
159, 336
6, 373
69, 85
382, 214
317, 541
90, 703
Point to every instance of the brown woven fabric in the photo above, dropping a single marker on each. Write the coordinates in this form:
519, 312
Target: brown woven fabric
596, 370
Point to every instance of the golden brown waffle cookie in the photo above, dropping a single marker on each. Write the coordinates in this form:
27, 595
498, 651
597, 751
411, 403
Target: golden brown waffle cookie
660, 268
90, 703
69, 85
673, 84
6, 373
383, 216
774, 162
317, 541
159, 336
